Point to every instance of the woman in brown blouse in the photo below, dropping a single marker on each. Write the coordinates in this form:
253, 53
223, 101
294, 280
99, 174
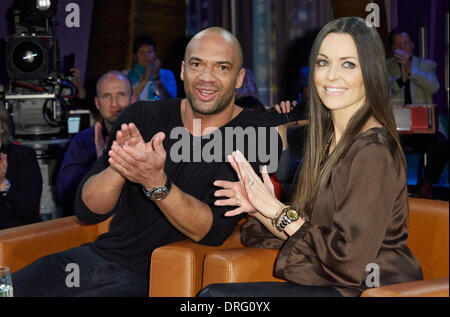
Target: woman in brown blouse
351, 194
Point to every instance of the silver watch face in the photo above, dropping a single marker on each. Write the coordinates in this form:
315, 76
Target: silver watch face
159, 193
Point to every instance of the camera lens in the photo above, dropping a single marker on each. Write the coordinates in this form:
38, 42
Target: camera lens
28, 57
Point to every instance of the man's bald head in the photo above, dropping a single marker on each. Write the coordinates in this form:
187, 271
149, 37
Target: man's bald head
113, 73
227, 36
114, 94
211, 71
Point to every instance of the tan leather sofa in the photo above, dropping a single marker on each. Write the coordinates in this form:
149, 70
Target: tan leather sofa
183, 268
22, 245
428, 239
176, 269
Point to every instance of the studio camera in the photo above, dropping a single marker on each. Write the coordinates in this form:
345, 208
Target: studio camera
37, 96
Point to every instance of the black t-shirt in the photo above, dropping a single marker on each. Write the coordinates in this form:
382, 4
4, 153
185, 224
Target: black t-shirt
193, 164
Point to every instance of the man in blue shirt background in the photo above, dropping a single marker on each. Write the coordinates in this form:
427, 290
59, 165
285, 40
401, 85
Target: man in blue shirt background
114, 93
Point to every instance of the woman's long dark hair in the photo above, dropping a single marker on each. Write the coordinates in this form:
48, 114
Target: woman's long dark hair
314, 174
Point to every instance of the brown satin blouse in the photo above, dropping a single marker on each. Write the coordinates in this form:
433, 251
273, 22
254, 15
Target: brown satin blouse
359, 219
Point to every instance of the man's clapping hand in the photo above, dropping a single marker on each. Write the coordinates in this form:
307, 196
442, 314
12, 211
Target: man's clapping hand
139, 161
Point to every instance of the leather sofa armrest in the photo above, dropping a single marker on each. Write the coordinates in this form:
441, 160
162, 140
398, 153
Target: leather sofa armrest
240, 265
20, 246
176, 269
425, 288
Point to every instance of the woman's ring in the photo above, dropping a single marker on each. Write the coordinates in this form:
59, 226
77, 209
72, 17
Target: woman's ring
250, 182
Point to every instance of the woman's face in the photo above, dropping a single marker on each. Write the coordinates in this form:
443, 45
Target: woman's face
145, 55
337, 76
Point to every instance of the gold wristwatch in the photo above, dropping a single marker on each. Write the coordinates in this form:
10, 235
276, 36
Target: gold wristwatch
286, 217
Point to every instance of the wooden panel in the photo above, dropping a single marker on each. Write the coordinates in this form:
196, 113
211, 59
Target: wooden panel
115, 23
165, 22
109, 31
342, 8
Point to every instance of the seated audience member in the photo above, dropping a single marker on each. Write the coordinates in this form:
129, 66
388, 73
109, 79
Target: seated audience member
350, 207
157, 194
114, 94
20, 179
413, 80
149, 80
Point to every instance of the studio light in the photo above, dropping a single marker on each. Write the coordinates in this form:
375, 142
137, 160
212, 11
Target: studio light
43, 5
33, 15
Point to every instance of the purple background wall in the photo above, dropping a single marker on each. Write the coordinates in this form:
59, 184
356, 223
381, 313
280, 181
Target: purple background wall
71, 40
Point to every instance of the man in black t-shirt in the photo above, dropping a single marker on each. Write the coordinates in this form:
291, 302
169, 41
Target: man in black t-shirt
157, 176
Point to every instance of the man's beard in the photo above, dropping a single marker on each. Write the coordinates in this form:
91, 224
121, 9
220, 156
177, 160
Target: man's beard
219, 105
111, 120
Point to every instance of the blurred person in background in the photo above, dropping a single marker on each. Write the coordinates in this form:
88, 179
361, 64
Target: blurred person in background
114, 94
20, 179
413, 80
149, 80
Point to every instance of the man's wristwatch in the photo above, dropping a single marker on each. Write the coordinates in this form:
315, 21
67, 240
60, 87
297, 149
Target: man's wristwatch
286, 217
158, 193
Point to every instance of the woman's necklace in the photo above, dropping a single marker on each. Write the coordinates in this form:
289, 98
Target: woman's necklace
327, 146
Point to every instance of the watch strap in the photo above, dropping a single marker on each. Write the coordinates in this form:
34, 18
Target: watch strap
283, 219
168, 183
166, 188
